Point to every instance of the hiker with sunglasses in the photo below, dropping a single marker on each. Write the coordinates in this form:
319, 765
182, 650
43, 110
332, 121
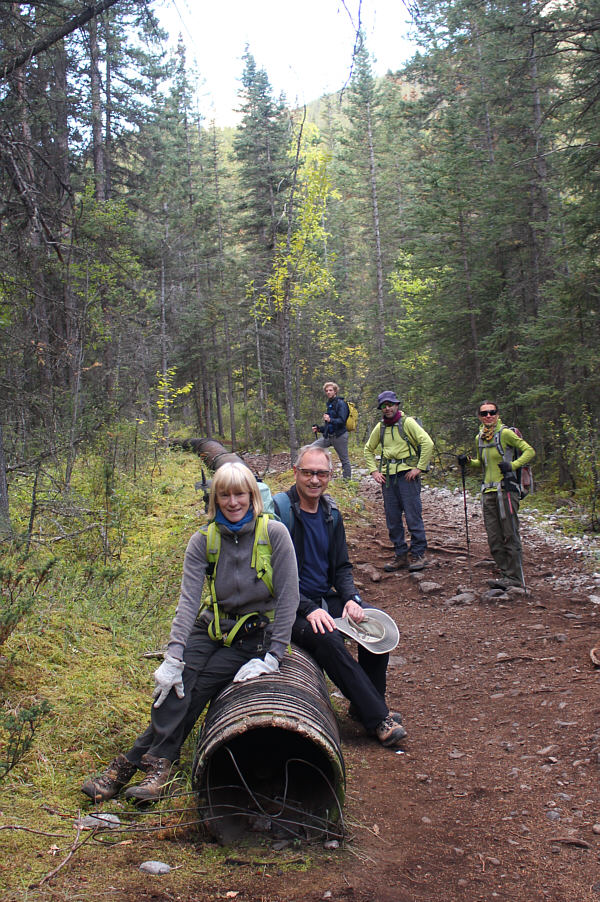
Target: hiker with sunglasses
404, 450
500, 492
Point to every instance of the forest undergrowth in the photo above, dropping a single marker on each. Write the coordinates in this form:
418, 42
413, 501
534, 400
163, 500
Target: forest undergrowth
80, 655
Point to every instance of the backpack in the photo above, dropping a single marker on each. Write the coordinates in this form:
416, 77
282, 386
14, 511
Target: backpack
285, 513
267, 498
352, 418
524, 475
416, 450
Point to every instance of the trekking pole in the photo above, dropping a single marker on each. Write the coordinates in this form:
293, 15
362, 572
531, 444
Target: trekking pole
464, 487
514, 529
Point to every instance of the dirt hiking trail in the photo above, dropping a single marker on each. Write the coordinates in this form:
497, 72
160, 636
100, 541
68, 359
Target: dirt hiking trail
495, 794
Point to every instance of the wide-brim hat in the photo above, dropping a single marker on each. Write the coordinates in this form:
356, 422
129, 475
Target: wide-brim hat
376, 632
389, 396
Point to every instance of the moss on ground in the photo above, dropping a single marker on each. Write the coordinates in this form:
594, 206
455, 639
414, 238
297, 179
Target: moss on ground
82, 649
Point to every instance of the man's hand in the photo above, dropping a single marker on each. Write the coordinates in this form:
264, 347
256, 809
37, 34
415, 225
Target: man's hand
378, 477
320, 621
353, 609
505, 467
412, 474
326, 417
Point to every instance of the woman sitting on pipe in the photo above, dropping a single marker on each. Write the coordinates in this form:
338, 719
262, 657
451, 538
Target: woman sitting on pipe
241, 632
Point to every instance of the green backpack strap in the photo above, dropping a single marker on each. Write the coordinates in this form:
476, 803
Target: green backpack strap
213, 549
260, 561
261, 552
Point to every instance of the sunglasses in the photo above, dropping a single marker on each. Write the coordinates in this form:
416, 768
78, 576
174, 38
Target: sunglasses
386, 404
320, 474
488, 413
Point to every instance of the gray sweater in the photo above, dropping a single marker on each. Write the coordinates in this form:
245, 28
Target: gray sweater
237, 586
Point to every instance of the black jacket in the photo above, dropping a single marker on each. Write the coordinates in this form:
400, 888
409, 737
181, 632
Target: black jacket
340, 568
338, 411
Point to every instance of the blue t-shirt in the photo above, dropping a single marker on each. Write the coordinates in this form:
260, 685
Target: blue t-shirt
313, 576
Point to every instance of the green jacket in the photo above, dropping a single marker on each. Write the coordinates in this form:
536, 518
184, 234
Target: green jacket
397, 455
489, 457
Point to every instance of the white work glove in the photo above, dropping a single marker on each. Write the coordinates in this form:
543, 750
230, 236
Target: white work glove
167, 677
255, 667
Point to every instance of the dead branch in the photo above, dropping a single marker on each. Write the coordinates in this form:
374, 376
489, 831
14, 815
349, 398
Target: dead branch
74, 848
31, 830
52, 37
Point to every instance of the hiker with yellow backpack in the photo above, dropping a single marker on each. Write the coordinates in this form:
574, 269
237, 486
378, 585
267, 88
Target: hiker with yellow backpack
240, 632
503, 456
339, 418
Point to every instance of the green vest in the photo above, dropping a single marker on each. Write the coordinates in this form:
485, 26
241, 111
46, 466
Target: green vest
260, 561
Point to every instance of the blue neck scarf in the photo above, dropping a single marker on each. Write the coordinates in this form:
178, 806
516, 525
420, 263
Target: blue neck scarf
234, 527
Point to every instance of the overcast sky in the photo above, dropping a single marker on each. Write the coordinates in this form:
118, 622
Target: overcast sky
305, 46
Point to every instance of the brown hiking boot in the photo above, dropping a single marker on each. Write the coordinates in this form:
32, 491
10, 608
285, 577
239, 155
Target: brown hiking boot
400, 562
156, 783
417, 562
109, 783
390, 733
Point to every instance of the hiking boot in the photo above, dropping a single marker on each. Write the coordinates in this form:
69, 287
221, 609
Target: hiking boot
354, 715
503, 583
417, 562
400, 562
390, 733
156, 783
109, 783
372, 731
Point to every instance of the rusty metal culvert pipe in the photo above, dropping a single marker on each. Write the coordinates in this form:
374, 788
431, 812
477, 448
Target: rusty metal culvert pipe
212, 452
269, 759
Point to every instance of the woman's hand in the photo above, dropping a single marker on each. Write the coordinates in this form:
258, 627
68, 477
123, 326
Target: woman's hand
257, 667
167, 677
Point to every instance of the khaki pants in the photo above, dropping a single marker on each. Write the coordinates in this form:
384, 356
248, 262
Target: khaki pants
503, 534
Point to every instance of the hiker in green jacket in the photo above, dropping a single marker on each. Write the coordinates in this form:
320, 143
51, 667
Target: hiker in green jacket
405, 451
500, 491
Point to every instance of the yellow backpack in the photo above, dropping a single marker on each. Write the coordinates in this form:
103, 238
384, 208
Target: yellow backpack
352, 421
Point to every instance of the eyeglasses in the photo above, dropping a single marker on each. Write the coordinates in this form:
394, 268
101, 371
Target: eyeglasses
320, 474
387, 404
488, 413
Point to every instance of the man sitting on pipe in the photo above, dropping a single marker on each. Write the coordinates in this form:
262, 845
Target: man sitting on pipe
327, 591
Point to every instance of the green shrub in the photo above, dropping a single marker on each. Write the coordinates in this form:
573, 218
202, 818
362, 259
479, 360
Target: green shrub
19, 584
17, 730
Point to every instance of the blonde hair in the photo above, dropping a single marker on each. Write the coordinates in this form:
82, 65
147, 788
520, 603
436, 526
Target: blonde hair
333, 384
234, 476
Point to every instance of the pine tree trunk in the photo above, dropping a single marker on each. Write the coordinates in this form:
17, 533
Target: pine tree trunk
96, 96
5, 524
380, 330
470, 299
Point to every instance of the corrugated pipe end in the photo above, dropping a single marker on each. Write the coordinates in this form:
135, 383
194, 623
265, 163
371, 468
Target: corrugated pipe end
269, 757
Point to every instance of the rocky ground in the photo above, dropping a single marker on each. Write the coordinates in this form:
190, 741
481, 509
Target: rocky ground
495, 793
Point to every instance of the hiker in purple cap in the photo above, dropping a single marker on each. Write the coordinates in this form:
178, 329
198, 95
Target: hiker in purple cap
404, 450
